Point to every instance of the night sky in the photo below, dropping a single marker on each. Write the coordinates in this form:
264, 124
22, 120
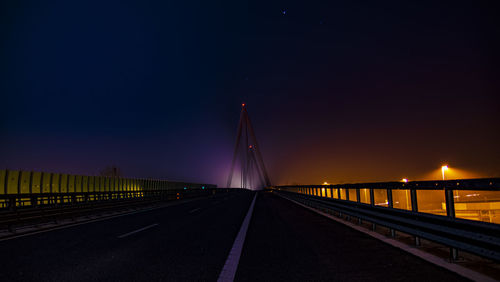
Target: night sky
338, 91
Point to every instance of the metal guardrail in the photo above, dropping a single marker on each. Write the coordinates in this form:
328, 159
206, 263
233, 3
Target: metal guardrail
20, 201
480, 238
59, 208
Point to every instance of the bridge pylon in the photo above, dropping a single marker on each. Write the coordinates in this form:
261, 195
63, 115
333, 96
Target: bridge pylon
247, 150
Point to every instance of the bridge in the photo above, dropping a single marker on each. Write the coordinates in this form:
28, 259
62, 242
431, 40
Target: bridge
61, 227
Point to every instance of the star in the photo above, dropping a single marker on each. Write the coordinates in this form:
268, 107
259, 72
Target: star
283, 12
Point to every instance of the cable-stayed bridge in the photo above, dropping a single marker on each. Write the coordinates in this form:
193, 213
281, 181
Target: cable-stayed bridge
61, 227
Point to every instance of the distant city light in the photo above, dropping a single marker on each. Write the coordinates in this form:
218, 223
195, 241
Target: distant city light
404, 180
325, 183
443, 169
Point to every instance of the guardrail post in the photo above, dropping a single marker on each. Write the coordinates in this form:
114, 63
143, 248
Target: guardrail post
390, 205
41, 189
61, 198
450, 212
31, 182
51, 178
389, 198
19, 178
450, 203
414, 208
32, 198
12, 203
372, 197
6, 181
393, 233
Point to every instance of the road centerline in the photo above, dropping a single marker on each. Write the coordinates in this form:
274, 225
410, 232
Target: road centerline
137, 231
229, 270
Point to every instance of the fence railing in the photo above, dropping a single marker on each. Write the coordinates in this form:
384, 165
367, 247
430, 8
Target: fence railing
59, 206
27, 188
473, 199
463, 214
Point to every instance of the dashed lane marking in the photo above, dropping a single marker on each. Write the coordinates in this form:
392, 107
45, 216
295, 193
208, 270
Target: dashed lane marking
192, 211
137, 231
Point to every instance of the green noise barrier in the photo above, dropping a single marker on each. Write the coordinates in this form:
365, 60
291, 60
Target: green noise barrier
26, 188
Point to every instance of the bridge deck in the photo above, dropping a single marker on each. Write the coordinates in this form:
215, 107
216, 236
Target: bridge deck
287, 242
190, 241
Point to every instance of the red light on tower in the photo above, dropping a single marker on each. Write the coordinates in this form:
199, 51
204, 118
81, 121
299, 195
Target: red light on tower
243, 105
250, 146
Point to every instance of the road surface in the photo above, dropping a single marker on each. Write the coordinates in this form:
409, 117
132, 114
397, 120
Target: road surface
191, 241
286, 242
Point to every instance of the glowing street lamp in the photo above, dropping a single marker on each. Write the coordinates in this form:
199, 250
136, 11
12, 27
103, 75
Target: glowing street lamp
443, 169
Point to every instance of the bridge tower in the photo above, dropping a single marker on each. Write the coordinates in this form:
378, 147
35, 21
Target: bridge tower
247, 150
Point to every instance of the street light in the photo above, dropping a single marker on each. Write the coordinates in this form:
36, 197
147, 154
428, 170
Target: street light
443, 168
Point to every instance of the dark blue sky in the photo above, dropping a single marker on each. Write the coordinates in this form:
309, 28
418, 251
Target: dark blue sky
335, 89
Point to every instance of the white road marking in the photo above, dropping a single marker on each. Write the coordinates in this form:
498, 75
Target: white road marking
192, 211
136, 231
229, 270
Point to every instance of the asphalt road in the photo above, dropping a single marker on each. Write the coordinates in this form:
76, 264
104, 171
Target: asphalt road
191, 241
286, 242
184, 242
